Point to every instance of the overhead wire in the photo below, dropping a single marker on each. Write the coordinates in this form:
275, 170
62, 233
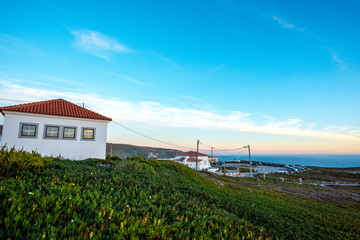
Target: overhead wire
154, 139
224, 150
175, 145
144, 135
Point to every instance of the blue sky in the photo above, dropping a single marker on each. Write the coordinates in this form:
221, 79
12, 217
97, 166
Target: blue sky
282, 76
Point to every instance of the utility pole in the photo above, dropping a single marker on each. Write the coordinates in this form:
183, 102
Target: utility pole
212, 157
248, 147
197, 154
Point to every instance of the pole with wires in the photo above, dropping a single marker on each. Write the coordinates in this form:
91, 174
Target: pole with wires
212, 156
197, 154
248, 147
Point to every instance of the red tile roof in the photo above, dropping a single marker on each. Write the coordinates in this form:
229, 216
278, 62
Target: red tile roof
192, 154
179, 159
193, 159
56, 107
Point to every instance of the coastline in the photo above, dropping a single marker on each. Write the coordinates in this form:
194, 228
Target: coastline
318, 160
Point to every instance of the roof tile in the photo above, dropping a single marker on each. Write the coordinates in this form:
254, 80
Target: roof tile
193, 159
56, 107
192, 154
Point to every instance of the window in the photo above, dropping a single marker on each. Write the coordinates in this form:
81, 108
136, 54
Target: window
52, 132
28, 130
88, 133
69, 132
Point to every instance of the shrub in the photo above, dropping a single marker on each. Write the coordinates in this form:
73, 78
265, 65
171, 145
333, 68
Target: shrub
136, 158
115, 157
12, 160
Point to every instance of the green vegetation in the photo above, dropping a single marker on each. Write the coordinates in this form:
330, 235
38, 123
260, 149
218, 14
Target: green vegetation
12, 160
149, 199
126, 150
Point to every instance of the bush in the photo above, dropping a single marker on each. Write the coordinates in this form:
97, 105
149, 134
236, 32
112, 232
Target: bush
115, 157
136, 158
13, 160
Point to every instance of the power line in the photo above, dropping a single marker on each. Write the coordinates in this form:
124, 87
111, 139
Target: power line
224, 150
240, 151
144, 135
205, 144
141, 134
235, 154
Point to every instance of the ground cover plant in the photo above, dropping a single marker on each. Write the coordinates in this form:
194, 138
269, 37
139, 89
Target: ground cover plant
149, 199
13, 160
119, 199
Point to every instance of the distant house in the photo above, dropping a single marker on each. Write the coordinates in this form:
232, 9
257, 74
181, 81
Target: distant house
213, 159
55, 127
189, 159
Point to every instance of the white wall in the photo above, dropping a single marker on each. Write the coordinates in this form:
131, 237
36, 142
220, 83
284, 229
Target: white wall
201, 165
72, 149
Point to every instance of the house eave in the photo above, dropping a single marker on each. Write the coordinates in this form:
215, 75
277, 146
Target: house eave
52, 116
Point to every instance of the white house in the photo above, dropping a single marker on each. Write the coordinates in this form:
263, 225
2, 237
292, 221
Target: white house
189, 159
55, 127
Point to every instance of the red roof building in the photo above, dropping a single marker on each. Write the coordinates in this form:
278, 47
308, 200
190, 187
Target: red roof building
191, 154
179, 159
56, 107
55, 128
190, 159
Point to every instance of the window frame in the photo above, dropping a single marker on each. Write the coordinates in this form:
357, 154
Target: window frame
68, 138
22, 124
51, 125
88, 128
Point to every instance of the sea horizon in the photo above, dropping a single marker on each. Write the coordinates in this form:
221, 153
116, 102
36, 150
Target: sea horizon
319, 160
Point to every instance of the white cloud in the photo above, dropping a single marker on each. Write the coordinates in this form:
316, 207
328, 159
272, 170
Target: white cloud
334, 56
97, 44
286, 24
337, 60
156, 114
282, 22
130, 79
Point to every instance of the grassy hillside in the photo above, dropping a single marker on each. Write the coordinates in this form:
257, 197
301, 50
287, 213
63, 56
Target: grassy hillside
324, 175
126, 150
152, 199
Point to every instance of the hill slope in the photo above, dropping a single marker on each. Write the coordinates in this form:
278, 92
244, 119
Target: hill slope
126, 150
152, 199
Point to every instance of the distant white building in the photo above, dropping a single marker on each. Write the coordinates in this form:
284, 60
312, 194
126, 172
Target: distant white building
55, 127
189, 159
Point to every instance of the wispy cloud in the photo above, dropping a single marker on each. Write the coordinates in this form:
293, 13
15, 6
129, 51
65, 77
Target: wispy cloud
282, 22
165, 59
334, 56
286, 24
97, 44
337, 60
156, 114
130, 79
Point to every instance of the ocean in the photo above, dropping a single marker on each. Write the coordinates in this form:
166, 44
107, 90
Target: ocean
320, 160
